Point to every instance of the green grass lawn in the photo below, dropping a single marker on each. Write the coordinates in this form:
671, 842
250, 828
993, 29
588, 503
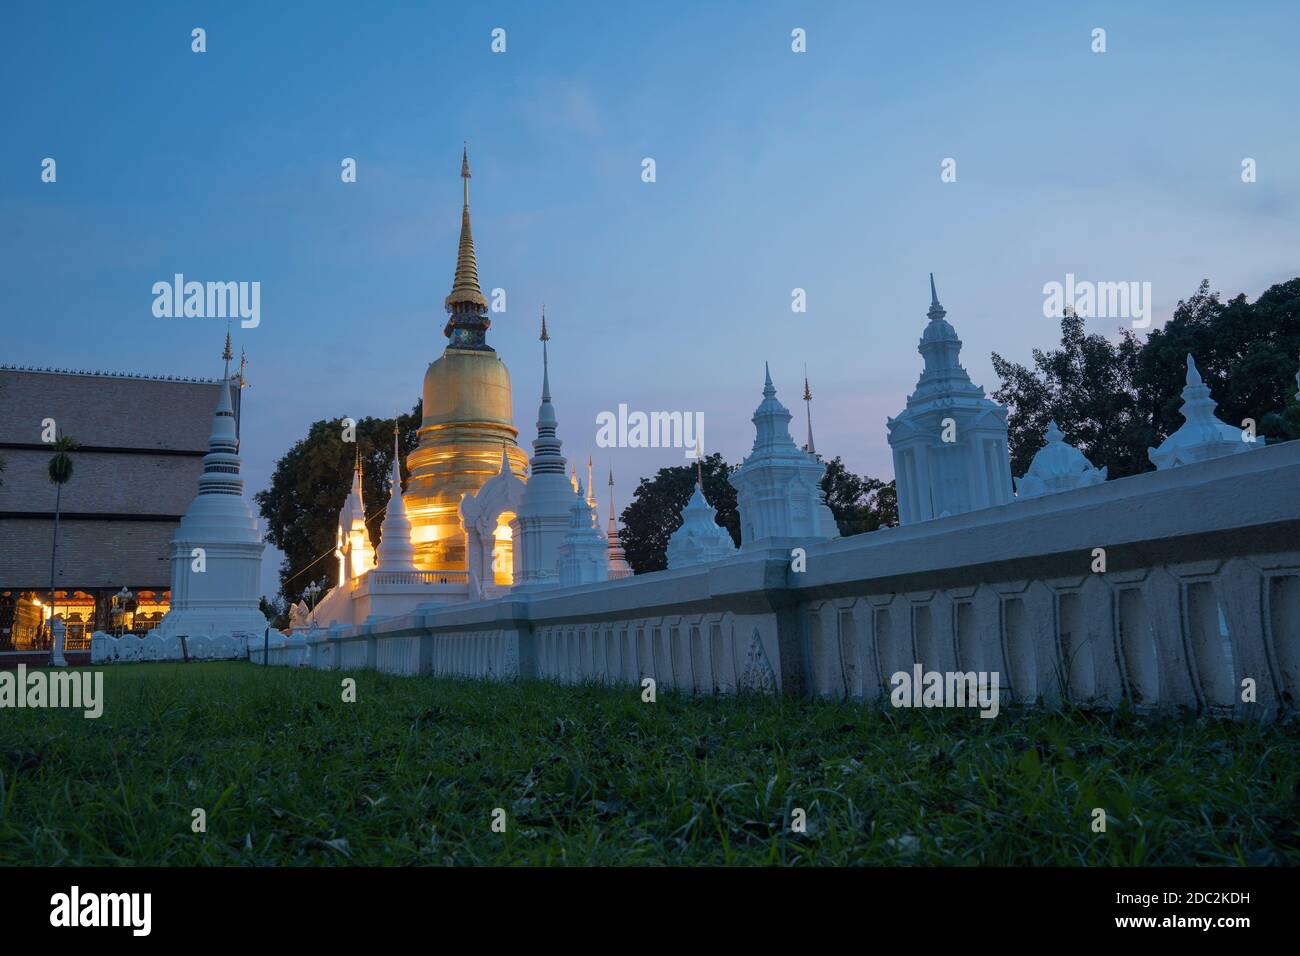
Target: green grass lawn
411, 773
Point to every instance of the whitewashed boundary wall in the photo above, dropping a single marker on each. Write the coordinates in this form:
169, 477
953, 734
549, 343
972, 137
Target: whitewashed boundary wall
1201, 592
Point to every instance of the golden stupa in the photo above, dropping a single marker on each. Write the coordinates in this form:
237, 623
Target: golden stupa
467, 419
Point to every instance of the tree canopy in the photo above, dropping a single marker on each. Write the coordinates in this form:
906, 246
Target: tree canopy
655, 511
859, 504
1114, 400
310, 484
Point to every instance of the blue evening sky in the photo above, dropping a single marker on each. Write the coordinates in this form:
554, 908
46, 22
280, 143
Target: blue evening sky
775, 170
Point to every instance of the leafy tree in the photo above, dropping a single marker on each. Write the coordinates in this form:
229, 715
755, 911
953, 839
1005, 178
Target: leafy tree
1114, 400
1247, 354
859, 504
275, 610
1090, 387
310, 484
881, 504
655, 511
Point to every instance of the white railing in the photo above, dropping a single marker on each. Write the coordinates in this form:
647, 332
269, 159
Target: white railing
376, 578
1177, 588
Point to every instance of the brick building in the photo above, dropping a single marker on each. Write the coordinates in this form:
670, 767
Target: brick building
141, 445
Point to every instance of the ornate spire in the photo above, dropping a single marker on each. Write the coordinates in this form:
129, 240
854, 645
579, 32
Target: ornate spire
546, 365
940, 347
772, 421
465, 304
395, 550
1202, 435
936, 310
699, 539
353, 514
618, 566
221, 463
810, 448
591, 488
612, 529
546, 446
226, 354
777, 485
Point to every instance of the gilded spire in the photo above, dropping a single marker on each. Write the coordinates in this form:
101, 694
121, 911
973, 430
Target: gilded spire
226, 354
465, 303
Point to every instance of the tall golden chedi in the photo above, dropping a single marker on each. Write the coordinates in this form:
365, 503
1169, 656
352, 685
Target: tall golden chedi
467, 420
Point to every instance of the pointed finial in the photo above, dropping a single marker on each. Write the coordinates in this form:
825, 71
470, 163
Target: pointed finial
465, 303
936, 310
546, 363
397, 461
699, 458
1193, 373
769, 390
811, 446
1053, 432
611, 501
505, 459
226, 356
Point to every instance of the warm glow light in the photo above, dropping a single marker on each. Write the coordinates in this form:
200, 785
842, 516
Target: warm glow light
503, 551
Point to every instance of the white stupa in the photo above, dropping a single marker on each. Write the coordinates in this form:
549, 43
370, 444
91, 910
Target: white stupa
1057, 467
584, 554
778, 486
1202, 436
352, 541
396, 553
700, 539
216, 553
950, 442
540, 525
